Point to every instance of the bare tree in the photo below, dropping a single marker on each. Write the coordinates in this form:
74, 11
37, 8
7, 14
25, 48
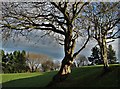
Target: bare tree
35, 61
104, 18
62, 20
81, 60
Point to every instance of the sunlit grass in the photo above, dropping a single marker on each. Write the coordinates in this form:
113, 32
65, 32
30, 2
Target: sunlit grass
14, 76
27, 79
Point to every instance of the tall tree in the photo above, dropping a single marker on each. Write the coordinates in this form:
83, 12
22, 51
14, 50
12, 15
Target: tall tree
104, 18
59, 19
48, 65
3, 59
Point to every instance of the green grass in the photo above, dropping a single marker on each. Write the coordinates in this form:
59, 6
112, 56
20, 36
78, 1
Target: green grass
93, 76
10, 77
88, 76
27, 79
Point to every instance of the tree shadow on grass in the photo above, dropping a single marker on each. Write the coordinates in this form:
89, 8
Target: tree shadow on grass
89, 78
31, 82
110, 77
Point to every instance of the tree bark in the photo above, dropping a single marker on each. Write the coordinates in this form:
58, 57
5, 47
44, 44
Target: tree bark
65, 69
69, 47
106, 65
67, 61
103, 53
63, 73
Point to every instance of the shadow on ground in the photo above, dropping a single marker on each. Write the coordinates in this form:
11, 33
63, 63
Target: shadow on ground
37, 81
80, 78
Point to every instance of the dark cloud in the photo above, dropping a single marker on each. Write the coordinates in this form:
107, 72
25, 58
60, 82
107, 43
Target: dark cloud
46, 46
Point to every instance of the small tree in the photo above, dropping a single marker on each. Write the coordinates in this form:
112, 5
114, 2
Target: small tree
111, 54
95, 52
96, 55
81, 60
56, 65
34, 61
48, 65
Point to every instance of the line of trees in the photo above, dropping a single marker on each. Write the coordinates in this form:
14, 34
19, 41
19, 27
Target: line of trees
14, 62
40, 62
20, 62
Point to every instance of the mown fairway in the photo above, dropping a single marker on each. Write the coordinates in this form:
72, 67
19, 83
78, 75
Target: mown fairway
89, 76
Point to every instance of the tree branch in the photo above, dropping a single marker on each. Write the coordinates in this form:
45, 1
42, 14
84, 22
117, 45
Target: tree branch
118, 20
75, 54
76, 13
62, 10
48, 27
114, 35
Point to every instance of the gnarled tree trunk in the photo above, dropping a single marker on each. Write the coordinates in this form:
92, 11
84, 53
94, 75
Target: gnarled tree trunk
63, 73
65, 69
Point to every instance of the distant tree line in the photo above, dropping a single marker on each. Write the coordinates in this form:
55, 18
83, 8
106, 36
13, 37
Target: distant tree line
40, 62
20, 62
14, 62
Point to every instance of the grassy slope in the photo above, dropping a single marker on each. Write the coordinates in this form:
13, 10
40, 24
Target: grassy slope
92, 76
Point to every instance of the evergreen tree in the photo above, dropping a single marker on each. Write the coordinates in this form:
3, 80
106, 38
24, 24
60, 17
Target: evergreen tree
96, 55
95, 52
111, 54
14, 62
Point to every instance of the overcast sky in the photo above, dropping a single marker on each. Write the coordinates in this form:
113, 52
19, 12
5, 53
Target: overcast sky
46, 46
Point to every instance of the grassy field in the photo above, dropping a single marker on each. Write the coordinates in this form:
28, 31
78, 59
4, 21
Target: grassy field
88, 76
26, 79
